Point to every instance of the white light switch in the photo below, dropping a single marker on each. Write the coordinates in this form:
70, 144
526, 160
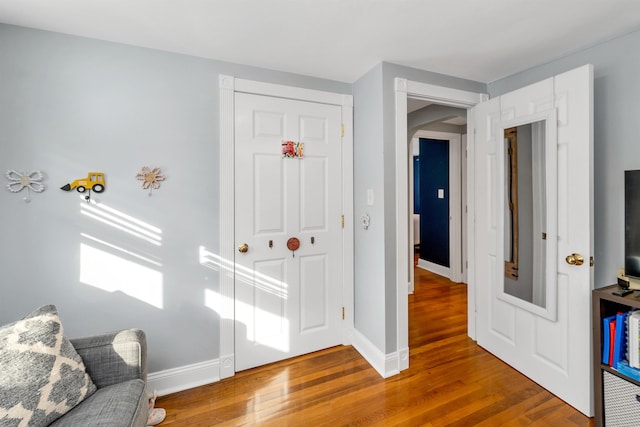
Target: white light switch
440, 193
369, 197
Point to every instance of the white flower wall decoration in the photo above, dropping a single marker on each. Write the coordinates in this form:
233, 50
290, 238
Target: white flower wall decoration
19, 181
150, 178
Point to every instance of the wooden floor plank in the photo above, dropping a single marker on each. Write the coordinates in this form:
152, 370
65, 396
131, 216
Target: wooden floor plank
451, 381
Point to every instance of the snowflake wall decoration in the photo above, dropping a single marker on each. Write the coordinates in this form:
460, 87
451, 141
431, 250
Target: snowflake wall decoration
150, 178
19, 181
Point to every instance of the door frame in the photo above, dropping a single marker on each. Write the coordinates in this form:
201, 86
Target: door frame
455, 271
228, 86
404, 259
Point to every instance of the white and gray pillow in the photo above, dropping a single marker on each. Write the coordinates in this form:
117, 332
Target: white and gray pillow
42, 377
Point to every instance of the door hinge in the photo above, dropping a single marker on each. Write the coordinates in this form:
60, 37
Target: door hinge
342, 221
342, 130
342, 313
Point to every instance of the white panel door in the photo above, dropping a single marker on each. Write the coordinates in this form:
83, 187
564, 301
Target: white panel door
556, 353
286, 303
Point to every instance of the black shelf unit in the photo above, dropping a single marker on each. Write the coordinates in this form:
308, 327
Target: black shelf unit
621, 391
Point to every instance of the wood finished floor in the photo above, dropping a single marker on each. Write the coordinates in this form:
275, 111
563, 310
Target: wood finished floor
451, 381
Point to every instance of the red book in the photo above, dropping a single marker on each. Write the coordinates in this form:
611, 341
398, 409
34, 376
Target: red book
612, 333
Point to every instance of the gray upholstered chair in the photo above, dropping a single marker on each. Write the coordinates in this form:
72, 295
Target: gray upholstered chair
117, 364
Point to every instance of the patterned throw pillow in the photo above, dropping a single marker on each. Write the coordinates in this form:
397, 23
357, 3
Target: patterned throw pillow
42, 377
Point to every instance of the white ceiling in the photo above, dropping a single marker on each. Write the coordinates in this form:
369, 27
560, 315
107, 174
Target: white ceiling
482, 40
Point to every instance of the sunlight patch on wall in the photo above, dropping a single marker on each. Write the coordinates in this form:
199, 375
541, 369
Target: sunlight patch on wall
121, 221
124, 251
221, 305
213, 261
261, 281
212, 300
112, 273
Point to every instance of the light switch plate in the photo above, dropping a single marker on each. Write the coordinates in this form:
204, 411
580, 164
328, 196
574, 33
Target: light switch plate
369, 197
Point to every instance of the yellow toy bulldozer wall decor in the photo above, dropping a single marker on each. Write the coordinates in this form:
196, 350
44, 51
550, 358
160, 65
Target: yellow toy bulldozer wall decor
94, 181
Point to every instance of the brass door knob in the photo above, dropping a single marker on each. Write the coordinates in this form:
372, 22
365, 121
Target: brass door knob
575, 259
243, 248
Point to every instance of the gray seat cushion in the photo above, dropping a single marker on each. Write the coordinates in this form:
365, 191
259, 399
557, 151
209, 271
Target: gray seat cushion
113, 406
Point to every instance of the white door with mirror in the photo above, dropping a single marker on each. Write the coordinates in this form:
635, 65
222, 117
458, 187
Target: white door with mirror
534, 228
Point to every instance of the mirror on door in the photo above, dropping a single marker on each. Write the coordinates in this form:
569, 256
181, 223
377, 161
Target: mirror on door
528, 276
525, 212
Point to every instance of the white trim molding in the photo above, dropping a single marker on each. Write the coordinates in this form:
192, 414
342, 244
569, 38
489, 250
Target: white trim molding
184, 377
227, 223
385, 364
435, 268
404, 251
442, 95
404, 260
348, 238
228, 86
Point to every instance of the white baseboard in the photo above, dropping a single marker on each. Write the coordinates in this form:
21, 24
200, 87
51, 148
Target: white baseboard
210, 371
403, 358
387, 365
227, 366
435, 268
184, 377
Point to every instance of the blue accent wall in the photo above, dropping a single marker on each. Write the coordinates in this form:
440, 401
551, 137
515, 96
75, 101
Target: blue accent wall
434, 212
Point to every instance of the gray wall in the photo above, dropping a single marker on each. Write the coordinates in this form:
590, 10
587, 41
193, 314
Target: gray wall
616, 136
371, 314
70, 105
377, 170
